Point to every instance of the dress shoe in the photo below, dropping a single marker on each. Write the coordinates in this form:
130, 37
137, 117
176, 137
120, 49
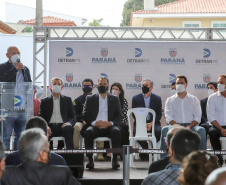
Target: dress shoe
115, 165
144, 157
90, 165
100, 157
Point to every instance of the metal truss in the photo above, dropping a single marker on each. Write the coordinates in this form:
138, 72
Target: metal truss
44, 34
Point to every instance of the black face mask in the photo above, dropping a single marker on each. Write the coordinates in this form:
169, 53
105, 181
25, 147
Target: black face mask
145, 89
102, 89
87, 89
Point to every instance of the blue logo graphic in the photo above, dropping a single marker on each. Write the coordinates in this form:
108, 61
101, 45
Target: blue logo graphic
18, 100
103, 74
172, 78
206, 53
138, 52
69, 52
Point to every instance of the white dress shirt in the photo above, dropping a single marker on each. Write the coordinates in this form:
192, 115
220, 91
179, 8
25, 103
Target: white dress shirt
56, 116
216, 108
103, 110
183, 110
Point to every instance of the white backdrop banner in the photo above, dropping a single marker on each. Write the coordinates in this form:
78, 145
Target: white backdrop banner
130, 62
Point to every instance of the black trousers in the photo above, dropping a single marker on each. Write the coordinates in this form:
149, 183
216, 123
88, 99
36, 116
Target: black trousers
158, 130
66, 132
215, 135
111, 132
124, 130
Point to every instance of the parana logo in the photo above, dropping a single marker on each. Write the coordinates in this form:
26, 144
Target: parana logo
104, 59
173, 59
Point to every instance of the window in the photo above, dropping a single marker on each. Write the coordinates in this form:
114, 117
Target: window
191, 24
219, 24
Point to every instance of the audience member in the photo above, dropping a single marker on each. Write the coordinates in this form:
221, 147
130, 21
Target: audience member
34, 151
149, 100
2, 158
196, 168
103, 114
217, 177
14, 71
184, 109
58, 112
216, 114
36, 103
35, 122
162, 163
117, 90
212, 88
183, 142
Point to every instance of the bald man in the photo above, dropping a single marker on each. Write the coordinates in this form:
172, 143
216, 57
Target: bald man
217, 177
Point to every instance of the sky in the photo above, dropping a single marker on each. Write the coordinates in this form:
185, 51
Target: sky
109, 10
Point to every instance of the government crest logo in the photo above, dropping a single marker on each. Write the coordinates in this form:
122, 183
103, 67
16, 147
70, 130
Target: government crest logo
104, 52
138, 78
173, 52
206, 78
69, 77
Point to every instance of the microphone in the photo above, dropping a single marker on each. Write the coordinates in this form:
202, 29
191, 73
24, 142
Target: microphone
18, 60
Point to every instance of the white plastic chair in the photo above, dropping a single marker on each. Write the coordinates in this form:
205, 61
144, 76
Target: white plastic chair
141, 130
103, 139
58, 139
223, 145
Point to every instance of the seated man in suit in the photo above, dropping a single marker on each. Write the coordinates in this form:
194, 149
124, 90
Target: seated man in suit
58, 112
34, 152
14, 71
35, 122
103, 113
212, 88
149, 100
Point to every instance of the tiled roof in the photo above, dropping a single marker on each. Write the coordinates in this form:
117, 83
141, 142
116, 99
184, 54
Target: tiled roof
4, 28
51, 21
188, 6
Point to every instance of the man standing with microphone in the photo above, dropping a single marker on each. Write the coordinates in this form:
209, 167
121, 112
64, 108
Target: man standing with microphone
13, 71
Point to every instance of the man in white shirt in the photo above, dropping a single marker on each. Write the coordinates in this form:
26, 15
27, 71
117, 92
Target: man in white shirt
184, 109
216, 114
58, 112
102, 112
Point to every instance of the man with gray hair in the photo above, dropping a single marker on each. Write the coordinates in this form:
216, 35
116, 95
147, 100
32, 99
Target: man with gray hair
34, 151
58, 111
150, 100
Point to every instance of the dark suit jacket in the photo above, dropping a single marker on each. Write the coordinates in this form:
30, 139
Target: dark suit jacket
14, 159
203, 103
91, 109
36, 173
155, 104
66, 109
8, 73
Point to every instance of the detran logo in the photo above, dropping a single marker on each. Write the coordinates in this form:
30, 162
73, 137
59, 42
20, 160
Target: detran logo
206, 53
172, 78
18, 100
138, 52
69, 52
103, 74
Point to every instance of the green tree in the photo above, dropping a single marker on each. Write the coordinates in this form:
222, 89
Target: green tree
96, 22
134, 5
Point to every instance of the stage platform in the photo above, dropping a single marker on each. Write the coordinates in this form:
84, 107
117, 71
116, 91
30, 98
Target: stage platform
103, 174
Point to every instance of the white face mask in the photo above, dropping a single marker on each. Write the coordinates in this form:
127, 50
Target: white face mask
221, 87
15, 58
180, 88
173, 91
115, 92
210, 91
56, 89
